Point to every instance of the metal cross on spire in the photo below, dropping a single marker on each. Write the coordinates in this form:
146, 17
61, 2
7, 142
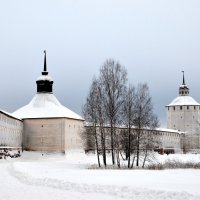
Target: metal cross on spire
45, 64
183, 78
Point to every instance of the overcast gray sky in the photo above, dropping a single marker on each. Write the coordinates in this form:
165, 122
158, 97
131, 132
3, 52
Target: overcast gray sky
153, 39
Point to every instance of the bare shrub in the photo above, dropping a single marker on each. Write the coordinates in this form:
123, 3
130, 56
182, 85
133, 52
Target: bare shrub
174, 164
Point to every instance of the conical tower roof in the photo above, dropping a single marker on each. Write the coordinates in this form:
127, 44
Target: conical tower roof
44, 104
184, 99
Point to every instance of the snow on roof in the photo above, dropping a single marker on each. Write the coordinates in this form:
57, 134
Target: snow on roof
45, 105
184, 101
44, 78
10, 115
183, 86
157, 129
169, 130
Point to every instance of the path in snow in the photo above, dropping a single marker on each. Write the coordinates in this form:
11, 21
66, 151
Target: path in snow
16, 189
84, 191
51, 177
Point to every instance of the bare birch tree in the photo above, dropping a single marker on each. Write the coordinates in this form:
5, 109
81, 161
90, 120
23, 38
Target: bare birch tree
151, 141
128, 119
144, 116
101, 121
113, 78
90, 111
109, 105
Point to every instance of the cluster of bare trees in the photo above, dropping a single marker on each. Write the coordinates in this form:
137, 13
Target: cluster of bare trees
120, 118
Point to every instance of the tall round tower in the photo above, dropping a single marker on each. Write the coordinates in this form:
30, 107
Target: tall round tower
183, 113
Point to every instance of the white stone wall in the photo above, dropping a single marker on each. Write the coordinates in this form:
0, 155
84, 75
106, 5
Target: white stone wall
186, 119
73, 130
10, 131
164, 138
52, 134
170, 140
44, 135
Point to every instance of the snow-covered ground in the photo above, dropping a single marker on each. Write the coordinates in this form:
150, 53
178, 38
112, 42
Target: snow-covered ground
59, 177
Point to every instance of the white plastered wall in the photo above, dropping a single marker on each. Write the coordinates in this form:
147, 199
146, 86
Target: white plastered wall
186, 120
10, 131
52, 134
73, 129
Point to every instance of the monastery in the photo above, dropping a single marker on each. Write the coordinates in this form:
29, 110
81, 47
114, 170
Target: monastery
44, 124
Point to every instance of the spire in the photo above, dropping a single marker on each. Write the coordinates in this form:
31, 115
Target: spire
45, 64
183, 89
44, 82
183, 78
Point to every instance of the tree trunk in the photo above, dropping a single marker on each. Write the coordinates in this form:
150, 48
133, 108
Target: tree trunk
145, 157
129, 146
133, 161
112, 143
118, 158
138, 149
97, 147
117, 151
103, 146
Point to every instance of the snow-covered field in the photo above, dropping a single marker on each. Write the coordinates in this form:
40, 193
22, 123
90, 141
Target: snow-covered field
59, 177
